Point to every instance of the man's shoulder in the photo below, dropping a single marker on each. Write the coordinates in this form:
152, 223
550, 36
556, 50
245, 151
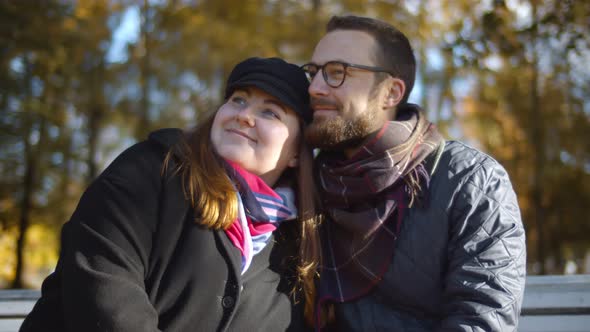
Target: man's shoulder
460, 164
459, 156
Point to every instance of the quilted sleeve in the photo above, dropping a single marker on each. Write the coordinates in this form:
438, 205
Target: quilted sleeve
484, 283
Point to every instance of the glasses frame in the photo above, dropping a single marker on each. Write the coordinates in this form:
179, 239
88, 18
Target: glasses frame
345, 65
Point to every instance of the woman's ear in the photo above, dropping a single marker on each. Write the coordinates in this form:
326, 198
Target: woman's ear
395, 93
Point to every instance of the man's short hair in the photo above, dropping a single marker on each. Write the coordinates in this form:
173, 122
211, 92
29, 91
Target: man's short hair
394, 50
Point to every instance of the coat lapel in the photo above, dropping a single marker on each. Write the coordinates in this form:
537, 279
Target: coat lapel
227, 248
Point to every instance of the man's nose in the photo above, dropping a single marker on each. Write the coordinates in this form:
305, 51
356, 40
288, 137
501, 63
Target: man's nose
318, 85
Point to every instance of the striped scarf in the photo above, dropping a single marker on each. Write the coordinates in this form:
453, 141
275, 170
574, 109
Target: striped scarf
365, 197
260, 211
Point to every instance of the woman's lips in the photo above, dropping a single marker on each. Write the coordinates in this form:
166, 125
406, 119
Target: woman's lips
237, 132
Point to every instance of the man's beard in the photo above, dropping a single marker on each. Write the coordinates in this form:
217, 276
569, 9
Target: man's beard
336, 133
339, 133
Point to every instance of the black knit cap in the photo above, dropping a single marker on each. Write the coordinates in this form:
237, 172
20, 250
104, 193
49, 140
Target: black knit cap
282, 80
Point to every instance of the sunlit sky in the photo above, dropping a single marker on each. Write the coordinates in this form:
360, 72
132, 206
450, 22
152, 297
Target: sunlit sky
126, 32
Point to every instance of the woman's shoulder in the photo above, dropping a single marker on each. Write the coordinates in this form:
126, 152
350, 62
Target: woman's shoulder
153, 149
166, 137
143, 158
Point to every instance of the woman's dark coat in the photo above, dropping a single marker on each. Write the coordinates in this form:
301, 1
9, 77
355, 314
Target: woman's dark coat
133, 259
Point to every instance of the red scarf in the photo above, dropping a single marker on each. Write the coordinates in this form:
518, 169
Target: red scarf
264, 209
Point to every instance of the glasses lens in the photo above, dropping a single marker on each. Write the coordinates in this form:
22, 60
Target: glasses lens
310, 71
334, 73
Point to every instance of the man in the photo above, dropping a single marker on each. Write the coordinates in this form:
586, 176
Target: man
421, 234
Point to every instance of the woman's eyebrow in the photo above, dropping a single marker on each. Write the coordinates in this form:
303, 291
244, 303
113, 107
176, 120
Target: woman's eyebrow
275, 102
245, 90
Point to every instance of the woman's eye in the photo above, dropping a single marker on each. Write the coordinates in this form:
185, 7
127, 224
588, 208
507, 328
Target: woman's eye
270, 113
238, 100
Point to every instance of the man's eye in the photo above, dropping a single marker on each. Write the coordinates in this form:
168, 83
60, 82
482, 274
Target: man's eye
336, 72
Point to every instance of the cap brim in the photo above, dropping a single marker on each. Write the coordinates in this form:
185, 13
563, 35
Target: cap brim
268, 88
276, 90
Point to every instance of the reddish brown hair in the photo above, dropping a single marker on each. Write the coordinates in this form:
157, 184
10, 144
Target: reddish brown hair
212, 194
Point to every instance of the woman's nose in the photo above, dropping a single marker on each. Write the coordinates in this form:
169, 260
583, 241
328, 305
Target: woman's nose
246, 117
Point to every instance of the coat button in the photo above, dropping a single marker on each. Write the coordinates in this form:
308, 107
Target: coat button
228, 302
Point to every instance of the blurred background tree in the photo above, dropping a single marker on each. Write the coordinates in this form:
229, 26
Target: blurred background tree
82, 80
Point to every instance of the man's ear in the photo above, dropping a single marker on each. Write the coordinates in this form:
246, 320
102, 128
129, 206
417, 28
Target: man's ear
395, 92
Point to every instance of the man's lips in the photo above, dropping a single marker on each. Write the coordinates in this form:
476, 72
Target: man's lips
237, 132
323, 105
324, 110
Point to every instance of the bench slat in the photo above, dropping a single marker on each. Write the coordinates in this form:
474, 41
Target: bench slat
556, 323
10, 325
11, 309
19, 294
550, 304
557, 294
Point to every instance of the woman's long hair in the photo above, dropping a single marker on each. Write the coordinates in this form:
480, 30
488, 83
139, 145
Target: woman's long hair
205, 181
309, 237
212, 194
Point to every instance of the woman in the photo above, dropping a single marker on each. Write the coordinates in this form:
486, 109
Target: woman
196, 231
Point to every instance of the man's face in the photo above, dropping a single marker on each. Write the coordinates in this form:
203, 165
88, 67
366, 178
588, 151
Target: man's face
345, 115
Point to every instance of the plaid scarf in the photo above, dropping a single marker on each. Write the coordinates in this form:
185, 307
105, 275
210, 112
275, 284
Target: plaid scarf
260, 211
365, 198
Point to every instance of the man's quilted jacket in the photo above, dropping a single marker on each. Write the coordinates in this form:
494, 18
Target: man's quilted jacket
459, 262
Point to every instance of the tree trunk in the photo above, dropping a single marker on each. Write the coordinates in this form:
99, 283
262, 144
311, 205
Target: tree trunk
537, 136
93, 132
26, 205
143, 126
28, 179
95, 116
422, 68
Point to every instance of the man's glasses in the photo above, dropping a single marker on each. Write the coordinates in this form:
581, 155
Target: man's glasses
334, 72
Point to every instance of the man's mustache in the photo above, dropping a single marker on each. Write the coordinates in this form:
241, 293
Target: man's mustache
317, 102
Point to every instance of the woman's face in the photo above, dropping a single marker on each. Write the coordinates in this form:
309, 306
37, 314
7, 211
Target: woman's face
256, 131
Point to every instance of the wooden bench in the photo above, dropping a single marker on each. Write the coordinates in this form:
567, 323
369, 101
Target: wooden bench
14, 306
551, 304
556, 303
